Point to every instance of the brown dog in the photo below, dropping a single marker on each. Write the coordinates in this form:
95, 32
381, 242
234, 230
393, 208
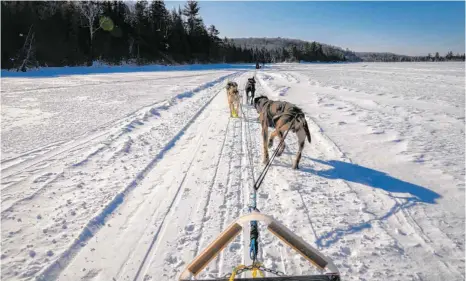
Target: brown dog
281, 115
233, 98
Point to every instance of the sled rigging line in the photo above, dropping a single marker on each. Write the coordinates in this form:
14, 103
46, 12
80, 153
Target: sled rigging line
269, 163
248, 141
254, 229
311, 254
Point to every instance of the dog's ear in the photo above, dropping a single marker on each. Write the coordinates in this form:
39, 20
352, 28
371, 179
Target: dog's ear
257, 100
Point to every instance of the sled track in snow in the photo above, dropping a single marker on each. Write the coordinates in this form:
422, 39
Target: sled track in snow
211, 187
231, 204
53, 271
169, 212
145, 262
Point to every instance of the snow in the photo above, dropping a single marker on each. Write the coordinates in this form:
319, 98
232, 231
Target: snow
127, 175
63, 108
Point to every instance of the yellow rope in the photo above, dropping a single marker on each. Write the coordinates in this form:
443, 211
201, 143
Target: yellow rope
233, 274
255, 270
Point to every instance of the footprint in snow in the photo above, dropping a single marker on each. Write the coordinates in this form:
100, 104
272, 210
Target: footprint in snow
171, 259
32, 253
43, 178
234, 247
189, 228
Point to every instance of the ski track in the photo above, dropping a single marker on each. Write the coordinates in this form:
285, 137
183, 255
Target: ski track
166, 179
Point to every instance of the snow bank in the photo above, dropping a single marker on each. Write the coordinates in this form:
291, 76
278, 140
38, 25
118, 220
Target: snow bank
99, 68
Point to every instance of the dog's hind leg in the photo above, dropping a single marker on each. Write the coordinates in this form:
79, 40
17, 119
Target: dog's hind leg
272, 136
280, 134
301, 141
298, 155
230, 104
265, 132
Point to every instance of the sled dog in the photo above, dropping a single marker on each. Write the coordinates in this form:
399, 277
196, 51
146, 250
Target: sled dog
233, 98
250, 87
280, 115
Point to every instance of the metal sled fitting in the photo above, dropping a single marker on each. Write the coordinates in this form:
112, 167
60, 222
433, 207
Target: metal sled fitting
320, 261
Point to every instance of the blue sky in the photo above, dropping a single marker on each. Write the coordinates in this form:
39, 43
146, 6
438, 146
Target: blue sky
410, 28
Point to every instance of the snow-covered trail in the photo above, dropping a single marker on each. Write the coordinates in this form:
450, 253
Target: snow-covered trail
174, 206
139, 199
52, 199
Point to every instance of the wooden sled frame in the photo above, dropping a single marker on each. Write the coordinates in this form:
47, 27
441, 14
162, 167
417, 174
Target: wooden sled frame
287, 236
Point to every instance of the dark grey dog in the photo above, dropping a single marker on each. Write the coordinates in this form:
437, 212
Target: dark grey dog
281, 116
250, 87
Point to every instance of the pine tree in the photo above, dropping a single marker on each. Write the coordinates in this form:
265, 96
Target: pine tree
449, 55
159, 23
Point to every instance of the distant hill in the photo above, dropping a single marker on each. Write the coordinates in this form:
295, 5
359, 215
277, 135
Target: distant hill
271, 44
278, 43
375, 56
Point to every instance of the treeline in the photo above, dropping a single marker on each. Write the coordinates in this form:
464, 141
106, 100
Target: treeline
294, 50
389, 57
307, 51
69, 33
56, 33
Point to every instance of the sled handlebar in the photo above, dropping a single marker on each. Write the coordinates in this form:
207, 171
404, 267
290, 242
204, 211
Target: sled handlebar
287, 236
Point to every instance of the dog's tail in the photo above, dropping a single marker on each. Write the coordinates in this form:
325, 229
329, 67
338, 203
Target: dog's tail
303, 124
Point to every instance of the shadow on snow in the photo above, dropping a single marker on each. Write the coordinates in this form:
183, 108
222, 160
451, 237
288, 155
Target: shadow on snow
375, 179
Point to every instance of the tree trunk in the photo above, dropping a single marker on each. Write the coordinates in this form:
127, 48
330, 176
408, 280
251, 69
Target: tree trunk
91, 49
29, 40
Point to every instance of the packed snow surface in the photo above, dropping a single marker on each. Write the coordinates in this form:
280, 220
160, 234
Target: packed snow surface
129, 175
